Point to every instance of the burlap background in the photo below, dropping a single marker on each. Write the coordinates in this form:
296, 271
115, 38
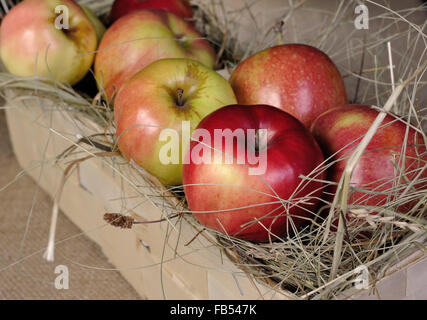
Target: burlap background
34, 277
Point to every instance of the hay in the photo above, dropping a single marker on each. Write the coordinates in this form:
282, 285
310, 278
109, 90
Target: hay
314, 263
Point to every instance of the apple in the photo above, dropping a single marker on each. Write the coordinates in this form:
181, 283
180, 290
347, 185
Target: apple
181, 8
139, 38
98, 25
296, 78
31, 44
228, 198
162, 96
340, 130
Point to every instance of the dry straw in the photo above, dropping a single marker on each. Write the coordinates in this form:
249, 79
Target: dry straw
384, 67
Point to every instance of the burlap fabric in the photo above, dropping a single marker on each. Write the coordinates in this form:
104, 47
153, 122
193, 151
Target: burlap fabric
34, 277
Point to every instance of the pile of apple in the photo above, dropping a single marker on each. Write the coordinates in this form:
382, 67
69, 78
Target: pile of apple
157, 72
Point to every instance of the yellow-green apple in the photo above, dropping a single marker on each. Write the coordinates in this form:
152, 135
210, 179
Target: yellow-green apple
296, 78
98, 25
340, 130
163, 99
228, 197
120, 8
36, 40
144, 36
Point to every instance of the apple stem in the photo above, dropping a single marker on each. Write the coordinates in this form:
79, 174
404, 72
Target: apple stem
257, 141
260, 133
278, 29
180, 100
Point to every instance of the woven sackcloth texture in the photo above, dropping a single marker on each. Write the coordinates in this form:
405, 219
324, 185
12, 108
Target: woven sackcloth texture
34, 277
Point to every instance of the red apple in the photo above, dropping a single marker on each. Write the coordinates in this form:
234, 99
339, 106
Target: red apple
35, 40
120, 8
160, 98
340, 130
144, 36
296, 78
226, 196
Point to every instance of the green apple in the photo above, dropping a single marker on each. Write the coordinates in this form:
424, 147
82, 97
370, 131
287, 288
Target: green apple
166, 96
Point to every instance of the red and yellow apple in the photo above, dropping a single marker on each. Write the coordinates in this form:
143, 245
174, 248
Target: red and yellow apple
296, 78
340, 130
32, 45
162, 96
139, 38
228, 198
120, 8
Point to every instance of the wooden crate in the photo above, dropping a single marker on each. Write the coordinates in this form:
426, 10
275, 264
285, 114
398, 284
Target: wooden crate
155, 267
